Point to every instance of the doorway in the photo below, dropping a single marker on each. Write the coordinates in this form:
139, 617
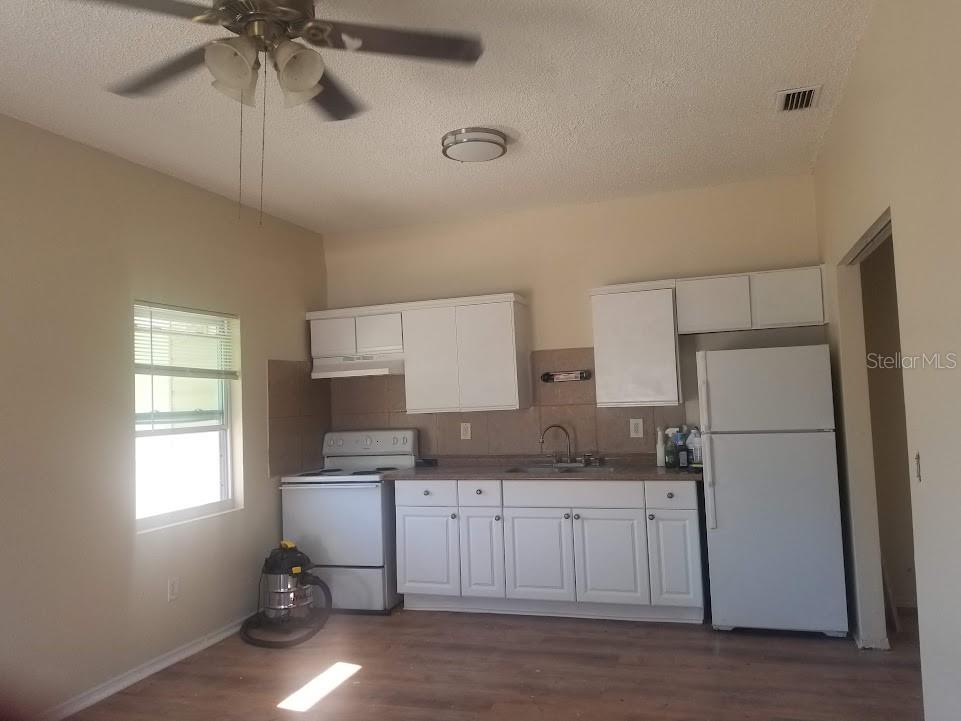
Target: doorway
882, 340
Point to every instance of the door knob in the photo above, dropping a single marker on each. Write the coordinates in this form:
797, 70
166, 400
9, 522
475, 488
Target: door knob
577, 516
478, 491
453, 516
426, 493
670, 494
497, 518
651, 517
567, 515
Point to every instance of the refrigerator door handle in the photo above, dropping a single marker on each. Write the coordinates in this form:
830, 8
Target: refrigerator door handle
710, 503
705, 408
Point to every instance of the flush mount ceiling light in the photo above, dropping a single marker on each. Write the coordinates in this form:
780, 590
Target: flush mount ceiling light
474, 145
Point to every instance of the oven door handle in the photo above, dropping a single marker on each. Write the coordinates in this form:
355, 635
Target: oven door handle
329, 486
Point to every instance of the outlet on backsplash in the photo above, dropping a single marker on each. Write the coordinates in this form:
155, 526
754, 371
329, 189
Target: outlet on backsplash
637, 427
465, 432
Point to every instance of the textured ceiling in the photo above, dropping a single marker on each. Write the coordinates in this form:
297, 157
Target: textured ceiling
601, 98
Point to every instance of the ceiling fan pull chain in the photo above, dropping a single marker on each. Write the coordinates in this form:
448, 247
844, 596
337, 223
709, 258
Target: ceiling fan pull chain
240, 171
263, 143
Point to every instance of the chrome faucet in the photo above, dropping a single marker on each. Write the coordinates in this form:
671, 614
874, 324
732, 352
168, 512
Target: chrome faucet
570, 451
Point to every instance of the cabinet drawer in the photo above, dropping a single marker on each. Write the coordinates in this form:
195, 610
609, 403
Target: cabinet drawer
425, 493
566, 494
681, 495
479, 493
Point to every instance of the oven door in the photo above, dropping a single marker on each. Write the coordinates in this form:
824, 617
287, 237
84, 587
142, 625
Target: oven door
336, 524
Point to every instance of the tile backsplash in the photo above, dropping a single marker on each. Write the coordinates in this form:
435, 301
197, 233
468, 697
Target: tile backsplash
299, 416
378, 402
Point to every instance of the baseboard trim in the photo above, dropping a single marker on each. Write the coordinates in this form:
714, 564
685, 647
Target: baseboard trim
119, 683
523, 607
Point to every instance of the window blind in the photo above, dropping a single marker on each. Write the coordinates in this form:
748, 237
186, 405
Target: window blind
174, 342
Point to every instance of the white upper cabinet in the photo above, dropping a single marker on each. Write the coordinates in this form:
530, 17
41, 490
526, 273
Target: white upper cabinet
486, 358
635, 348
379, 333
332, 337
787, 297
708, 305
430, 360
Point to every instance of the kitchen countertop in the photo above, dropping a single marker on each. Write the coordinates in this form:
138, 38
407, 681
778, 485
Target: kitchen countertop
492, 468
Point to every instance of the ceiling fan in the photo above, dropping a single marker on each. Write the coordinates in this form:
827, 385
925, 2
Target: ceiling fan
271, 27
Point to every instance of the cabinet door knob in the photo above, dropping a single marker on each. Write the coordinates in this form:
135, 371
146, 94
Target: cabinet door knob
426, 493
651, 517
478, 491
497, 518
577, 516
567, 515
453, 516
670, 494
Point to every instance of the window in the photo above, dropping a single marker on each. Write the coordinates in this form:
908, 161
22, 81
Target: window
186, 370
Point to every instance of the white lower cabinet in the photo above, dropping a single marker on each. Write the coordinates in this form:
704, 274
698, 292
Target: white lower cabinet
674, 545
428, 550
539, 553
610, 556
482, 552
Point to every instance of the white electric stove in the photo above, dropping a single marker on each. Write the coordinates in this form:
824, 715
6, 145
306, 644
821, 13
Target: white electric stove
342, 515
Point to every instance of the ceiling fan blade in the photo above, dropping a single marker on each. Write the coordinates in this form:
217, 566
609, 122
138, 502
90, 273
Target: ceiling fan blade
177, 8
155, 78
335, 101
394, 41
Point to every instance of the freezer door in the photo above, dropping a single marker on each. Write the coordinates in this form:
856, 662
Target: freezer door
774, 549
336, 524
765, 389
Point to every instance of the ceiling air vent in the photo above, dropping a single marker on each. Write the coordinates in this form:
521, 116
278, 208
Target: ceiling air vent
798, 98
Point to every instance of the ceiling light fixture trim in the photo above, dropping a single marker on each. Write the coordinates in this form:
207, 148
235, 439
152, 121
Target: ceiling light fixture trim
474, 145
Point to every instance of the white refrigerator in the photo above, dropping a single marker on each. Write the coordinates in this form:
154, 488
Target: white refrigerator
771, 489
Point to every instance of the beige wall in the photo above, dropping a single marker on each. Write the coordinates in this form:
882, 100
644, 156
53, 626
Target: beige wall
83, 235
896, 142
889, 436
555, 255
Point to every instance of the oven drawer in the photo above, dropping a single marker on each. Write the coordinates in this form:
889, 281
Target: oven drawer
425, 493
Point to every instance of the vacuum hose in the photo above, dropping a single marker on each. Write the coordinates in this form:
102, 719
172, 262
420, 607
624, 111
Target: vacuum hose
312, 623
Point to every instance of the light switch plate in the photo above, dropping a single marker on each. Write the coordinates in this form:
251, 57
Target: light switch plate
465, 431
173, 588
637, 427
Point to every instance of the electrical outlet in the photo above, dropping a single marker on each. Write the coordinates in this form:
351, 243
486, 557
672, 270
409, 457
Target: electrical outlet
637, 427
173, 588
465, 431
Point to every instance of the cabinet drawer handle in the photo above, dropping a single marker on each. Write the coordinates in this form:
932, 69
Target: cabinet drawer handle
651, 517
453, 516
426, 493
497, 518
670, 494
478, 491
577, 516
567, 515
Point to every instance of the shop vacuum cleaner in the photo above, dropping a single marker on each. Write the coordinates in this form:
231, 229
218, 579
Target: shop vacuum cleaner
293, 605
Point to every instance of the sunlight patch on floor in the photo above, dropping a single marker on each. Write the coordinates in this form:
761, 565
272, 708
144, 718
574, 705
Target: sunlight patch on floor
307, 696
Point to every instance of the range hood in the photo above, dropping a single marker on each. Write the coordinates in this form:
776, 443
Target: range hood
382, 364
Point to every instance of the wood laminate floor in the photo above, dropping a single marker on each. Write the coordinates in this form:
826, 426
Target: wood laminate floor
420, 666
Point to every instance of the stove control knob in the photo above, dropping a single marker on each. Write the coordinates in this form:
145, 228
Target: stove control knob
367, 441
340, 442
396, 441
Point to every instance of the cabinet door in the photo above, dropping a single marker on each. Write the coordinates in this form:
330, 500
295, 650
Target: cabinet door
787, 297
707, 305
481, 552
379, 333
332, 337
635, 348
430, 360
610, 556
675, 552
539, 553
428, 550
486, 356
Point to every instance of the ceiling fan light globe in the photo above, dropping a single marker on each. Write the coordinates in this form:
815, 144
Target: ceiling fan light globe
299, 69
246, 96
292, 99
232, 61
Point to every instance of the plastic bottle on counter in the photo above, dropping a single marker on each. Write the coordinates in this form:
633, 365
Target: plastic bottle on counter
670, 449
683, 455
695, 446
660, 447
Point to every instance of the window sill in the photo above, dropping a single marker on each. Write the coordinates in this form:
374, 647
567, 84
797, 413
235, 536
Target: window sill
181, 518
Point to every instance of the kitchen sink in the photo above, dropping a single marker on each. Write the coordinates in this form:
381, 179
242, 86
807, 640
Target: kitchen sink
553, 470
